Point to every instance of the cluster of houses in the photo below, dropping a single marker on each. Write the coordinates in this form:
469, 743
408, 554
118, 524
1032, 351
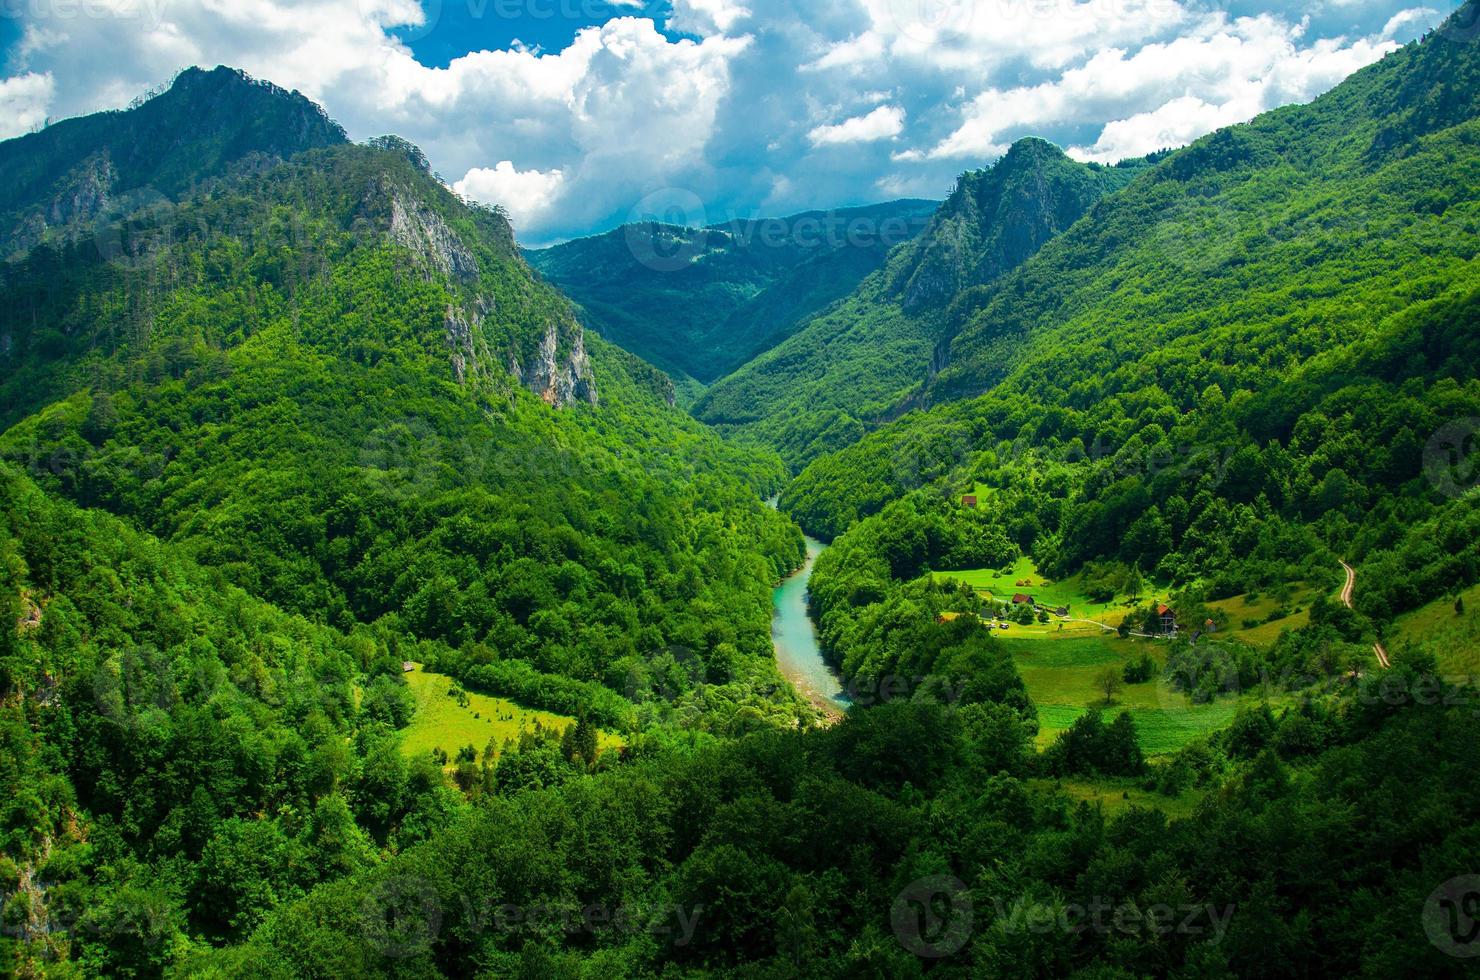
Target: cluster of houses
1024, 598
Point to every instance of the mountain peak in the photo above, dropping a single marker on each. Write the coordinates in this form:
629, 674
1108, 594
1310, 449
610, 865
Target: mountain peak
1033, 147
58, 182
995, 218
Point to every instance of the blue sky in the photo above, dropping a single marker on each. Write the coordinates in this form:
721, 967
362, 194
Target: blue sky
577, 115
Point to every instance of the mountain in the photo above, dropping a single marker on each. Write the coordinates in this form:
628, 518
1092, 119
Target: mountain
57, 182
299, 422
1255, 361
701, 301
278, 231
849, 367
342, 386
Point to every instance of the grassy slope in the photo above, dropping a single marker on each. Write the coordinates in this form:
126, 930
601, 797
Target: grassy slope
1453, 639
1061, 680
1061, 662
441, 722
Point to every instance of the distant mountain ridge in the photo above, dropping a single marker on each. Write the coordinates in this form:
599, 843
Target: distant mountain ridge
702, 301
56, 182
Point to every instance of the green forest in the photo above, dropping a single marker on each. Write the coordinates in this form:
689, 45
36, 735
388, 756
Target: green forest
383, 598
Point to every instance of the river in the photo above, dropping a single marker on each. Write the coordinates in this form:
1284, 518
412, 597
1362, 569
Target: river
795, 639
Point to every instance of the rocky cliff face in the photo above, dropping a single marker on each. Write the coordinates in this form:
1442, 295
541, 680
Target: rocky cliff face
558, 369
422, 230
996, 219
558, 380
74, 203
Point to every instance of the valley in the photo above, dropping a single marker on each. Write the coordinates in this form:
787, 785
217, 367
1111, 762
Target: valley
742, 597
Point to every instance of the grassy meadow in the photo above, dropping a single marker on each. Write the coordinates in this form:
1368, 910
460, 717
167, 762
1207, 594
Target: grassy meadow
1453, 638
1061, 661
442, 722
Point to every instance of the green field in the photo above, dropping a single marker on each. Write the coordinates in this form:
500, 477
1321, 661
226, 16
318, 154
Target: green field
1061, 681
1118, 795
441, 722
1002, 584
1241, 607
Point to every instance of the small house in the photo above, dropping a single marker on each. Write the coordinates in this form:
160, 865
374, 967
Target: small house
407, 666
1020, 598
1061, 611
969, 500
1167, 617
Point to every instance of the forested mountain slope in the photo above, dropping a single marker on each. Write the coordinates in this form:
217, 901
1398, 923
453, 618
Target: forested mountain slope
60, 182
1257, 358
849, 367
724, 860
363, 431
1300, 231
702, 301
344, 388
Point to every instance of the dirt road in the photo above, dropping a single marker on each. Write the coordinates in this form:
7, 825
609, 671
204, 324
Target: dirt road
1346, 600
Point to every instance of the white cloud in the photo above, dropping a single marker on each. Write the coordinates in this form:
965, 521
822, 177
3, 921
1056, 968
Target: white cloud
524, 194
1419, 16
706, 16
23, 103
1175, 123
1219, 73
732, 104
885, 122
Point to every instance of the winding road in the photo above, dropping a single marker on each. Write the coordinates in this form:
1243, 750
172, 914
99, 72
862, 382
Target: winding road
1346, 599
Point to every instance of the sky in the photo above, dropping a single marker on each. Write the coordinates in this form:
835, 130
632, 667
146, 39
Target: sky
579, 115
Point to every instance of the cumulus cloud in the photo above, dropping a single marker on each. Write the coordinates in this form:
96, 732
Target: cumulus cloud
524, 194
737, 102
885, 122
1413, 16
23, 103
706, 16
1220, 72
